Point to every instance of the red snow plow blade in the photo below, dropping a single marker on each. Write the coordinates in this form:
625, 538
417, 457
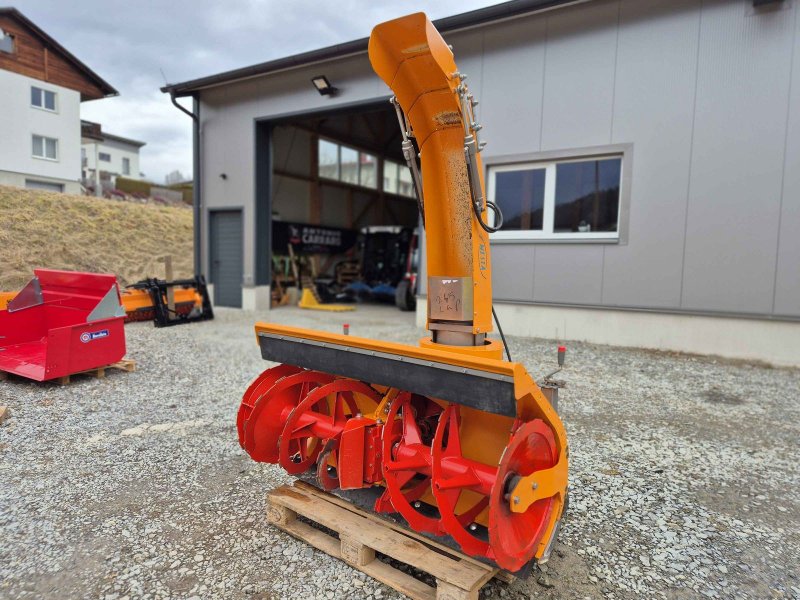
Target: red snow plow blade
60, 323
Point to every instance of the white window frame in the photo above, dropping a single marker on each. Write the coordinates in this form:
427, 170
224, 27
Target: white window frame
42, 106
546, 234
401, 167
359, 152
44, 148
126, 160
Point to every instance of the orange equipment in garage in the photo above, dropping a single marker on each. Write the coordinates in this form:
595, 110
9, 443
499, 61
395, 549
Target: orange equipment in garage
447, 434
168, 302
5, 298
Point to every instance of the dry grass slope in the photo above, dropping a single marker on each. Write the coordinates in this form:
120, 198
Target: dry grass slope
59, 231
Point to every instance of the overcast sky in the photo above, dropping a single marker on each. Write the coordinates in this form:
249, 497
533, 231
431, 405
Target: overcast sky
130, 42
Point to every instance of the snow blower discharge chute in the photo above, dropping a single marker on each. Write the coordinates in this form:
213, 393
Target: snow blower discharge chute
447, 434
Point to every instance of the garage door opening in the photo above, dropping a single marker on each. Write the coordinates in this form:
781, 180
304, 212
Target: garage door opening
344, 210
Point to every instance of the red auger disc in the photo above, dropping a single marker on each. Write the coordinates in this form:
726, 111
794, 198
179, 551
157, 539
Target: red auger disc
261, 383
514, 537
306, 431
264, 425
454, 476
407, 462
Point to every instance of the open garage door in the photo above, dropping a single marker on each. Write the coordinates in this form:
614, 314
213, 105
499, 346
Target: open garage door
344, 210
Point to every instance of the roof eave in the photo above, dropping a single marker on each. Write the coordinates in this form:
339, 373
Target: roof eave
107, 89
475, 18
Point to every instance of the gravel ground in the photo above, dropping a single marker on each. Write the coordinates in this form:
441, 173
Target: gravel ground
684, 476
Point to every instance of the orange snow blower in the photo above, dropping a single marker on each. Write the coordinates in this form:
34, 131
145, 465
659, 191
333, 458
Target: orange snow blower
457, 441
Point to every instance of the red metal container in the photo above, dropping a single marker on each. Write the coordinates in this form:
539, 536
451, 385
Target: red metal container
60, 323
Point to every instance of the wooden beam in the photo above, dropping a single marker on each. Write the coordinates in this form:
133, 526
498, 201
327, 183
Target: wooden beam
364, 211
314, 192
392, 214
349, 217
338, 184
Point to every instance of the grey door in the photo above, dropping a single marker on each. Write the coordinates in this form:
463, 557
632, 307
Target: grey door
226, 257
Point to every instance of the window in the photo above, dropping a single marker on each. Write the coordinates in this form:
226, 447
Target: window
367, 170
346, 164
126, 166
566, 199
45, 147
328, 160
104, 156
397, 179
43, 98
6, 42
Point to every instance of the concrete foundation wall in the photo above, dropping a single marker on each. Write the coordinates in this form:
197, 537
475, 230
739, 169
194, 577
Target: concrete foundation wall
18, 179
774, 342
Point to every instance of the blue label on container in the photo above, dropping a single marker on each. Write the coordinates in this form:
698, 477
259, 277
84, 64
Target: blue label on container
88, 336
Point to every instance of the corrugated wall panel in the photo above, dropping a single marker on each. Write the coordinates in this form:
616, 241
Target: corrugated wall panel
653, 106
468, 50
579, 76
511, 99
513, 271
737, 159
569, 274
787, 284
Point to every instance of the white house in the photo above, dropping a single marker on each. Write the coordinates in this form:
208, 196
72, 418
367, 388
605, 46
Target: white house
41, 88
115, 155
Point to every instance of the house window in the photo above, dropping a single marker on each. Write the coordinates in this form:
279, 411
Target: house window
104, 156
346, 164
44, 99
126, 166
397, 179
6, 42
45, 147
558, 200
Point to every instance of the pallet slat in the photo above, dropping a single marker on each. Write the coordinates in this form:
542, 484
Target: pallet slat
504, 576
126, 364
362, 535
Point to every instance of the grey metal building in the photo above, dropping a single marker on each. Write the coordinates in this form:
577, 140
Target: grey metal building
646, 152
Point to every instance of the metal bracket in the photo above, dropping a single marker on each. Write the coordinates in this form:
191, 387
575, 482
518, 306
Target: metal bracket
108, 307
30, 295
410, 154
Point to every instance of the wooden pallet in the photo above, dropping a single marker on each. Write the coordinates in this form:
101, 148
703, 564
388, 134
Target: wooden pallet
126, 364
362, 534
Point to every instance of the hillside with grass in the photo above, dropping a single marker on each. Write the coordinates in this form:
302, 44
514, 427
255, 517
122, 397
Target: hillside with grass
59, 231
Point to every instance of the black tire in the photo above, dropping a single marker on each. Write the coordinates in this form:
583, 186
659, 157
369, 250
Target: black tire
403, 298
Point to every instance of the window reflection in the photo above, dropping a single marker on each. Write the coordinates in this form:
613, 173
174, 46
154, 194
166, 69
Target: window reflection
520, 196
587, 196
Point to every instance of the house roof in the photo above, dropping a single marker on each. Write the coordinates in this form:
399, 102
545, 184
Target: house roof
101, 83
474, 18
94, 131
